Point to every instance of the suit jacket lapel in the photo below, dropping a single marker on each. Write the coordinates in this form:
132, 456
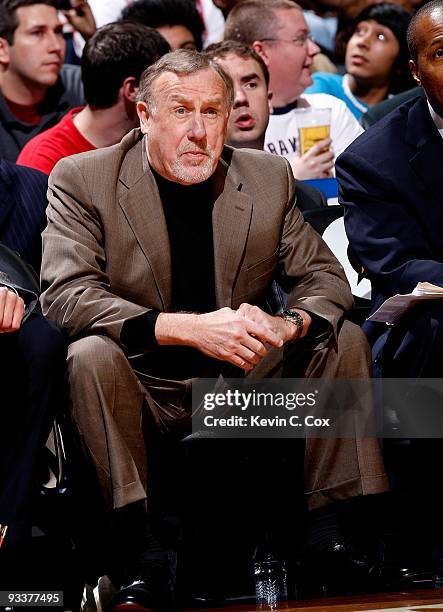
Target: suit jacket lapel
231, 221
422, 133
140, 202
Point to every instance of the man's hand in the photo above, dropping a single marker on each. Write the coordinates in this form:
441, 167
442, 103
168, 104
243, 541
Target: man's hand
224, 334
12, 311
81, 18
285, 330
315, 163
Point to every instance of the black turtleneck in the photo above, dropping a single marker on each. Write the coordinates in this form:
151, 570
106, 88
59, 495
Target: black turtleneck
188, 214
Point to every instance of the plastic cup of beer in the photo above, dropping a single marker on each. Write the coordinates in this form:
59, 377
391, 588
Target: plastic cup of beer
314, 124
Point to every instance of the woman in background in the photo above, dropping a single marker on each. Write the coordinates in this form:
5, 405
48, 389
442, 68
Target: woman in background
376, 60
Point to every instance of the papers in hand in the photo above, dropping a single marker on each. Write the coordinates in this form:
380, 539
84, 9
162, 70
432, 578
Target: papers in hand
395, 306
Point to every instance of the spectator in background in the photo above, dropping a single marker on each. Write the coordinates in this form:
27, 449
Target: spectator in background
277, 30
35, 91
249, 117
376, 60
112, 63
225, 6
252, 99
81, 18
78, 20
177, 20
213, 21
321, 61
107, 11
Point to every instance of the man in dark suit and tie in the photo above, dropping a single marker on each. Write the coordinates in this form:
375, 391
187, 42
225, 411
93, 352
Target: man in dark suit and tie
392, 188
32, 355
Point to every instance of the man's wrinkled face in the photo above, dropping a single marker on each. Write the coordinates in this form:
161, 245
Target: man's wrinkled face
38, 48
428, 69
250, 114
186, 129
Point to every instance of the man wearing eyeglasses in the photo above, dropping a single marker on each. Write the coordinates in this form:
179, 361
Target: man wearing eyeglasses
277, 31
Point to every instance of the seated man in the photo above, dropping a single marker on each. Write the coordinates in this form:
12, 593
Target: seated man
32, 359
35, 90
392, 191
112, 62
278, 31
157, 272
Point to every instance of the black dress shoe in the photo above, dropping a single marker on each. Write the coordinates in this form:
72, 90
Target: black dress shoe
149, 590
342, 570
134, 597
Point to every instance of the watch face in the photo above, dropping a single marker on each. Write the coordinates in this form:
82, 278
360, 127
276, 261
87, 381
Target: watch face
289, 314
296, 319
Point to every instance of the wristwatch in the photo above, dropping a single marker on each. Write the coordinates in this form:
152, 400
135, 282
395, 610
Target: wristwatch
293, 317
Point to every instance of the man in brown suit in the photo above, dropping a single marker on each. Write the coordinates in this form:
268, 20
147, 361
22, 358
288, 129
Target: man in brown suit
158, 256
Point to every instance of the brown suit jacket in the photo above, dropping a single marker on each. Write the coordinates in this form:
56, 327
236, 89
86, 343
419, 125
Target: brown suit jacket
106, 255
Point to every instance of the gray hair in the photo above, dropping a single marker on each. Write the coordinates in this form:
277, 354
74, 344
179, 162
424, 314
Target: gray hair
252, 20
181, 62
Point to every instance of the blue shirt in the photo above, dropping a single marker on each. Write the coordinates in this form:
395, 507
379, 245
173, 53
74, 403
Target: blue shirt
336, 85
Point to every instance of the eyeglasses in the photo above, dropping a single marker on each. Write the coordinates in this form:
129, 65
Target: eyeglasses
298, 41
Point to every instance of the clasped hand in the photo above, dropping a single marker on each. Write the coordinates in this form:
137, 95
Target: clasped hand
240, 336
12, 311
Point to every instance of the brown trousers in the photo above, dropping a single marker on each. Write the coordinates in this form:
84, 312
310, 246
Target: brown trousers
109, 400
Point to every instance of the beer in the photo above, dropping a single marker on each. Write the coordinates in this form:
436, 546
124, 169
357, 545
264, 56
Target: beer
313, 126
310, 135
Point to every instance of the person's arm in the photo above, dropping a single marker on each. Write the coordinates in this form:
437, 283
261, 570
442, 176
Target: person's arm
81, 18
309, 272
382, 230
224, 334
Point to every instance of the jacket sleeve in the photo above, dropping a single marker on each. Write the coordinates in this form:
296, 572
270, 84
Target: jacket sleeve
315, 279
76, 289
382, 230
